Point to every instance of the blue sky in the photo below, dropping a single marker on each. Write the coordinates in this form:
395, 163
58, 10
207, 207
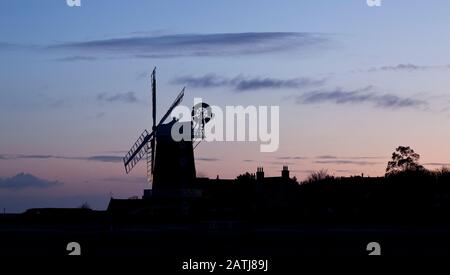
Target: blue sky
75, 88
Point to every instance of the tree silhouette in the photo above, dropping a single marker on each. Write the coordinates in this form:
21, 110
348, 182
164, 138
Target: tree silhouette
85, 205
245, 178
404, 159
317, 176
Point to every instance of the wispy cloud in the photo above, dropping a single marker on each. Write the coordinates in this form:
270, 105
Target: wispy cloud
128, 97
13, 46
326, 157
294, 158
75, 58
345, 171
104, 158
207, 159
407, 67
346, 161
359, 96
242, 83
281, 162
99, 158
400, 67
6, 46
352, 157
355, 160
368, 157
23, 180
306, 171
11, 157
125, 179
215, 44
121, 152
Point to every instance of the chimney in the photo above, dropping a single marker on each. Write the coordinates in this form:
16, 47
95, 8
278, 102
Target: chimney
285, 172
259, 174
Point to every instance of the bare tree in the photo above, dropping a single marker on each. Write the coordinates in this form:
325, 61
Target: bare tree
85, 205
319, 175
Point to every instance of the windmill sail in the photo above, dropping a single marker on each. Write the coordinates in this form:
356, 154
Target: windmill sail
140, 147
145, 145
137, 151
174, 104
150, 159
152, 145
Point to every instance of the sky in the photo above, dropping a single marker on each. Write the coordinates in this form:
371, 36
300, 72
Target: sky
353, 82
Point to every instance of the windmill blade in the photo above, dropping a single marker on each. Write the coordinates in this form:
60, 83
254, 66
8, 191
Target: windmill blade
152, 153
154, 119
150, 163
137, 151
174, 104
195, 146
154, 98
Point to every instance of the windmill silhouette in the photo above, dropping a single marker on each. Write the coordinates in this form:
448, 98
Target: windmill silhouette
170, 163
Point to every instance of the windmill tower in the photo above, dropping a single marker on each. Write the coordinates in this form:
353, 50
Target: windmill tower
170, 164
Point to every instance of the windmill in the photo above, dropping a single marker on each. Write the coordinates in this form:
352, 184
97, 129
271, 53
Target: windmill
170, 164
146, 143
